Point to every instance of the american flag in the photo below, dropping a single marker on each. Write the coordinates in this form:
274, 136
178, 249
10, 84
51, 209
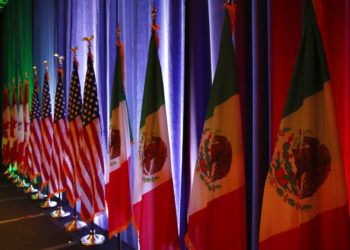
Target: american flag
35, 132
57, 181
46, 132
91, 153
76, 172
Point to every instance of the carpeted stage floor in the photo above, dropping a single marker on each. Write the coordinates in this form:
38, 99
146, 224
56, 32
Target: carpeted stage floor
24, 225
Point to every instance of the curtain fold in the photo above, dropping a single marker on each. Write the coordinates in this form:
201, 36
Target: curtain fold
16, 42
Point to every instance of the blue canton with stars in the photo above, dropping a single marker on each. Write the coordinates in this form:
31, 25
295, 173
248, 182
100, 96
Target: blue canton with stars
36, 109
75, 103
46, 112
60, 99
90, 107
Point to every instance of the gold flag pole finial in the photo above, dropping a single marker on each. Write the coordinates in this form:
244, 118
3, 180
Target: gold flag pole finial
74, 50
118, 32
154, 14
46, 65
35, 70
88, 39
13, 83
59, 59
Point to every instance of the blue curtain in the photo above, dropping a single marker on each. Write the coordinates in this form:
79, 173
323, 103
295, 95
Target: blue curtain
189, 43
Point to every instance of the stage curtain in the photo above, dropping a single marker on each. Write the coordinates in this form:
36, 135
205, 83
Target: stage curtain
16, 42
15, 46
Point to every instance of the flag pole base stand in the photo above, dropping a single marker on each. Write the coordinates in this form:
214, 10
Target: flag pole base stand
93, 239
48, 204
22, 184
30, 190
75, 225
38, 196
59, 213
12, 175
16, 181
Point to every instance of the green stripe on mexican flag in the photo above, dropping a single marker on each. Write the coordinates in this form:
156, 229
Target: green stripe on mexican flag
153, 185
217, 210
305, 200
118, 185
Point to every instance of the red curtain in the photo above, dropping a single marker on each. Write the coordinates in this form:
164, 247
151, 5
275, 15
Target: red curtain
334, 22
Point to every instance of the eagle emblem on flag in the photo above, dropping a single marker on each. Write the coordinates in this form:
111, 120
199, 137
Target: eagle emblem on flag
300, 165
114, 143
152, 153
214, 158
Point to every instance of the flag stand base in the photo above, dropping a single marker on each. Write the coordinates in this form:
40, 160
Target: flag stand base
59, 213
93, 239
22, 184
48, 204
38, 196
30, 190
75, 225
17, 180
12, 175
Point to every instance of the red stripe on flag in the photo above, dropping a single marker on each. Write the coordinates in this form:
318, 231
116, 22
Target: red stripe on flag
329, 230
73, 152
57, 177
220, 225
93, 174
90, 134
155, 217
46, 150
119, 204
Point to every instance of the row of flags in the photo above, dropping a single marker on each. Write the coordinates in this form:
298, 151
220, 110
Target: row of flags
305, 203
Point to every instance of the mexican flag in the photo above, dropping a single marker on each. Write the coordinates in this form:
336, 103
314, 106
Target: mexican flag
153, 203
305, 201
217, 209
118, 184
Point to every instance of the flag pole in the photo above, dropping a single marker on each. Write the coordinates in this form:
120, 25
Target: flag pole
7, 171
31, 189
23, 183
59, 212
75, 224
48, 203
119, 242
17, 180
26, 85
92, 238
12, 166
